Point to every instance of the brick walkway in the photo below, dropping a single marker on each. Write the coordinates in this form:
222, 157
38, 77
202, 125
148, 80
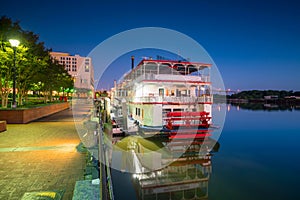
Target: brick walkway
40, 156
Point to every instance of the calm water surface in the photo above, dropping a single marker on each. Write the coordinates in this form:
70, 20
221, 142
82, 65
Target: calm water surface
258, 158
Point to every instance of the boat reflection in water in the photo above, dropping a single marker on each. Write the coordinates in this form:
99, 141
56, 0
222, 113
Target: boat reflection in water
185, 178
177, 169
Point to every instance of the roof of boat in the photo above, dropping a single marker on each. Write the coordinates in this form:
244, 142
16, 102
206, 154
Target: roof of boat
174, 62
183, 67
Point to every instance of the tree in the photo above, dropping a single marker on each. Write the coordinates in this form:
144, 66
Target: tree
30, 63
5, 74
52, 77
34, 66
8, 30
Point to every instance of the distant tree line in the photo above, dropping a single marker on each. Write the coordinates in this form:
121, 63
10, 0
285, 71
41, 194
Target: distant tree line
35, 70
260, 94
268, 107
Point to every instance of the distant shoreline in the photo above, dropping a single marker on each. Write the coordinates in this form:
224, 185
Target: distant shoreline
266, 105
269, 100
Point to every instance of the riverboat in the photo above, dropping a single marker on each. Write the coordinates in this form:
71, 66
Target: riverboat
166, 97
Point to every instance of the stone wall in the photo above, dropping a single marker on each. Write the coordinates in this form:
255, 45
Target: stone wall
23, 116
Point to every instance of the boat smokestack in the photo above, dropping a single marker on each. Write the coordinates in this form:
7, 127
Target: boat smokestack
132, 62
115, 84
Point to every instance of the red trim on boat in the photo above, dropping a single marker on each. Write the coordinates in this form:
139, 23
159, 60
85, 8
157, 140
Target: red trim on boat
182, 114
190, 132
169, 103
188, 118
187, 136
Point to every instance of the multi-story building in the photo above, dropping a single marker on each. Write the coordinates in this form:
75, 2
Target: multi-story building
81, 69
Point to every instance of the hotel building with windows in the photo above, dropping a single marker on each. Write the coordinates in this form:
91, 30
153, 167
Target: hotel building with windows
81, 69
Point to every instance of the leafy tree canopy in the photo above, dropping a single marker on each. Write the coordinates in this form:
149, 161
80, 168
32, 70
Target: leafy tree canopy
34, 65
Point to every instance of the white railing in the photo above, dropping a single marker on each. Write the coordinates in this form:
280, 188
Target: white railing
170, 77
149, 99
200, 78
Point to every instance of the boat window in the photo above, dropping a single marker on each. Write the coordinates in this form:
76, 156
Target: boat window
172, 93
178, 110
183, 93
115, 126
139, 112
177, 93
166, 111
161, 92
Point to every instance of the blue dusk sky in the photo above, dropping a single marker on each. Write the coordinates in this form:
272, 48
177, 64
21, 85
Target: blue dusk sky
255, 44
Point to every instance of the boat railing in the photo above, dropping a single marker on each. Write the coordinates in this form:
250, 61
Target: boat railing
182, 99
170, 77
188, 99
200, 78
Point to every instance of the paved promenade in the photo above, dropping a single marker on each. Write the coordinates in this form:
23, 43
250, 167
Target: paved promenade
40, 156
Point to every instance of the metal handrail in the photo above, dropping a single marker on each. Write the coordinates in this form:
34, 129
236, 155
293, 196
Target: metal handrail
182, 99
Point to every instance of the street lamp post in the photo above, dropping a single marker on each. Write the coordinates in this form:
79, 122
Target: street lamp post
14, 43
64, 74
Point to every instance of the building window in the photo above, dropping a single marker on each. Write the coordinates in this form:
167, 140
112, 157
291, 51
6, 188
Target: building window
86, 68
68, 68
74, 69
92, 82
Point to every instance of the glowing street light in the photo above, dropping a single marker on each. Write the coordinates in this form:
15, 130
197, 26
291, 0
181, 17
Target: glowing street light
14, 43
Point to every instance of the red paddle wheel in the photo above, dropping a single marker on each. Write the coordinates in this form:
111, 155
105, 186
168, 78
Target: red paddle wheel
187, 124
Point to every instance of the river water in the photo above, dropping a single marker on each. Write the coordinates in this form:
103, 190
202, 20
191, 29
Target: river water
258, 158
